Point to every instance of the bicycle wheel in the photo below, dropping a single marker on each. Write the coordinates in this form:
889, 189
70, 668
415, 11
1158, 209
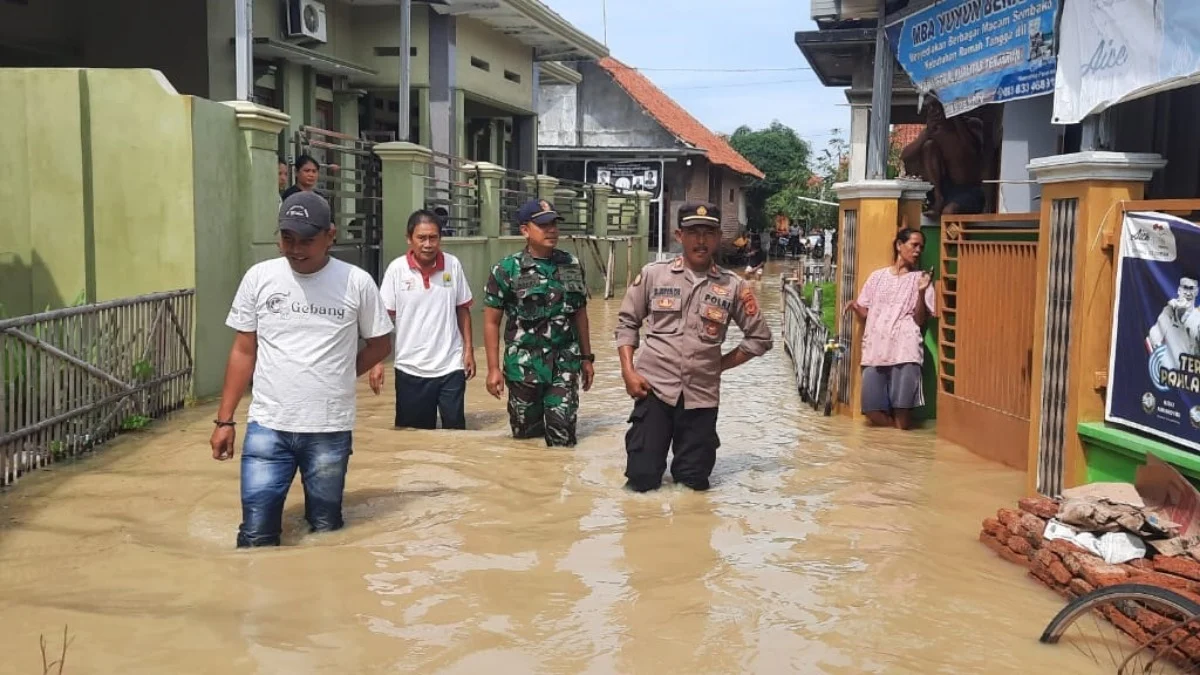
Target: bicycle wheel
1131, 628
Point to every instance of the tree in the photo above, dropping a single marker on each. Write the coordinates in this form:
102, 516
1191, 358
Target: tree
780, 153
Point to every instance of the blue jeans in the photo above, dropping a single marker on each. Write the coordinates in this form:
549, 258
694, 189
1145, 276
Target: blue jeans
269, 462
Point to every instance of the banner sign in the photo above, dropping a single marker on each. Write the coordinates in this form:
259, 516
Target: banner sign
974, 52
1118, 50
628, 176
1154, 365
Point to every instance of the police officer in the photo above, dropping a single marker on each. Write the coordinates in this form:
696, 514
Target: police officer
547, 347
687, 303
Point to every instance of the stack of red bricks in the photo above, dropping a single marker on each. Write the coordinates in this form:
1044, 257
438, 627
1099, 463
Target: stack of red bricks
1071, 571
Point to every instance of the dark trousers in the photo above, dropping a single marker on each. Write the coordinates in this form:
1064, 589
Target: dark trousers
419, 400
655, 428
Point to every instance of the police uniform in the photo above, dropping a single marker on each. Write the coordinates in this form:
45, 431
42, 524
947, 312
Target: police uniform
687, 316
542, 358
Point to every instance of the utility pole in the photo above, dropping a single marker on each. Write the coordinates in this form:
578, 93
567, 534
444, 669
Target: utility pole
405, 130
881, 101
243, 44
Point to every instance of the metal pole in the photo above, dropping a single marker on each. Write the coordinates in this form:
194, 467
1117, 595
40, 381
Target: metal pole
818, 201
881, 101
243, 39
405, 132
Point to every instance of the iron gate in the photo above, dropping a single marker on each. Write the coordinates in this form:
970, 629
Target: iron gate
354, 190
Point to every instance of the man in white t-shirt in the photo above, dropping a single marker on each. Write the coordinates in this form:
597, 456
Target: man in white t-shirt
298, 320
428, 296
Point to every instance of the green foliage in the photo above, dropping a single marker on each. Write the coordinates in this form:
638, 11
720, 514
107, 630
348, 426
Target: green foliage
143, 370
780, 153
135, 423
828, 302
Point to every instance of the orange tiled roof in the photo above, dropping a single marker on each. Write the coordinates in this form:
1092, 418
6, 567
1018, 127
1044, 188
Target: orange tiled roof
675, 119
903, 134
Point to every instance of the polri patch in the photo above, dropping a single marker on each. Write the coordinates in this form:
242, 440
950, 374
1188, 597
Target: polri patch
749, 301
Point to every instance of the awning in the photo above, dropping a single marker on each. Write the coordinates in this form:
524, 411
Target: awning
532, 23
269, 48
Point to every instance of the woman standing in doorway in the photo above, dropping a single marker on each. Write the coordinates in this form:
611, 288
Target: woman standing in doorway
895, 303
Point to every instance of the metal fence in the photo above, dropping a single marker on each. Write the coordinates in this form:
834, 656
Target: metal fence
73, 378
516, 188
622, 213
574, 201
354, 191
804, 337
452, 192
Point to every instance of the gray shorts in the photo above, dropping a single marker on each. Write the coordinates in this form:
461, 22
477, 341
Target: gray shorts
888, 388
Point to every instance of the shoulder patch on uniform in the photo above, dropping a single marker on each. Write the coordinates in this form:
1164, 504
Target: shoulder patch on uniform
749, 301
637, 280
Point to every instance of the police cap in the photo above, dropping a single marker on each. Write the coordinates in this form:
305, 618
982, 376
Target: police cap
699, 213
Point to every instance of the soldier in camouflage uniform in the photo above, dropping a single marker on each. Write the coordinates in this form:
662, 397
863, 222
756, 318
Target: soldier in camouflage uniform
547, 347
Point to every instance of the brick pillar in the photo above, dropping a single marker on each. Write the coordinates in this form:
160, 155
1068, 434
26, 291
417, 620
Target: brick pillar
1080, 195
260, 127
405, 169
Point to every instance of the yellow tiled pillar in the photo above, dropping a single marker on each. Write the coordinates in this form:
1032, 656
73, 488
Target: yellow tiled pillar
1081, 195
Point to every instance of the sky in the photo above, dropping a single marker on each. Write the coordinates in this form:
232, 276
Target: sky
720, 34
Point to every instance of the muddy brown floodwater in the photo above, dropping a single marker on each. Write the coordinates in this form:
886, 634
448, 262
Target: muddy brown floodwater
824, 547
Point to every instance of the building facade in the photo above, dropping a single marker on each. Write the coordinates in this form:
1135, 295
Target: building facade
604, 122
473, 67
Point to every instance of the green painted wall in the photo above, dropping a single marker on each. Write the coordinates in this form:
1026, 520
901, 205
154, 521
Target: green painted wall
42, 234
501, 53
1114, 455
143, 208
216, 202
931, 257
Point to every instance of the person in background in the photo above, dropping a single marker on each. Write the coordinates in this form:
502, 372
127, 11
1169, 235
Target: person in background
895, 302
688, 303
755, 259
308, 170
547, 345
427, 293
283, 177
299, 319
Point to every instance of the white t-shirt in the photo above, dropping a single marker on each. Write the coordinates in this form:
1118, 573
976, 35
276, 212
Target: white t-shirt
429, 344
308, 327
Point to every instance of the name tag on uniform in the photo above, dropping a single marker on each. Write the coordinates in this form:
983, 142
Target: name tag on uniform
526, 282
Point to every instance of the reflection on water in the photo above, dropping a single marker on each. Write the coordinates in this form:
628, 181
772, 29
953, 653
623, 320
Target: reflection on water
823, 548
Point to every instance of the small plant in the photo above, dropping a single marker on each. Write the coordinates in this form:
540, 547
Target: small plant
143, 370
58, 450
135, 423
56, 666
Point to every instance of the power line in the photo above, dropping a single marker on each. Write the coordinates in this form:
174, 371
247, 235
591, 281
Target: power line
736, 84
717, 70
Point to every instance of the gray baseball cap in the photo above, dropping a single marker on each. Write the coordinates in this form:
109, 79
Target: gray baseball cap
305, 213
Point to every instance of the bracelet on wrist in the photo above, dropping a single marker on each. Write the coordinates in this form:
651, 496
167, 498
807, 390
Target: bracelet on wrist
225, 423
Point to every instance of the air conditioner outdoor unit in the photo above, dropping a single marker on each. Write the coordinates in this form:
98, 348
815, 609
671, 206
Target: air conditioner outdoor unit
306, 20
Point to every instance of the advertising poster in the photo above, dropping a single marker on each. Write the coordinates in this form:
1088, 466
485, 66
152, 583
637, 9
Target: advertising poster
1118, 50
974, 52
629, 176
1154, 366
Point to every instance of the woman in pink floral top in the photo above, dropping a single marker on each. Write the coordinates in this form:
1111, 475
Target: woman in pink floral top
895, 302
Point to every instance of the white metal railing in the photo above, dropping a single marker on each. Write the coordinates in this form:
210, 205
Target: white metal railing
805, 337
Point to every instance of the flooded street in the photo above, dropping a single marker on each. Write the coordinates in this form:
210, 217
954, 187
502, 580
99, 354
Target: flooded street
823, 547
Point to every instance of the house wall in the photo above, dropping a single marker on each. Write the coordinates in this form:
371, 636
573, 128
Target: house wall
502, 54
1028, 134
380, 27
558, 113
609, 118
126, 34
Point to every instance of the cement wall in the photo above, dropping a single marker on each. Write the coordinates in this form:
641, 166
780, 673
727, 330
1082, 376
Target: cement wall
558, 109
501, 54
1027, 135
380, 27
609, 118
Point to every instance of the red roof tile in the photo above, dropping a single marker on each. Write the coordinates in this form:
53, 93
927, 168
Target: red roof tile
903, 134
675, 119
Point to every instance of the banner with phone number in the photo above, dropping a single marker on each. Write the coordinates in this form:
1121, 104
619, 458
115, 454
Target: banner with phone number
970, 53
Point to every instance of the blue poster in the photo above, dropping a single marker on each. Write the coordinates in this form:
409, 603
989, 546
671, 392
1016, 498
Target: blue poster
1154, 366
970, 53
